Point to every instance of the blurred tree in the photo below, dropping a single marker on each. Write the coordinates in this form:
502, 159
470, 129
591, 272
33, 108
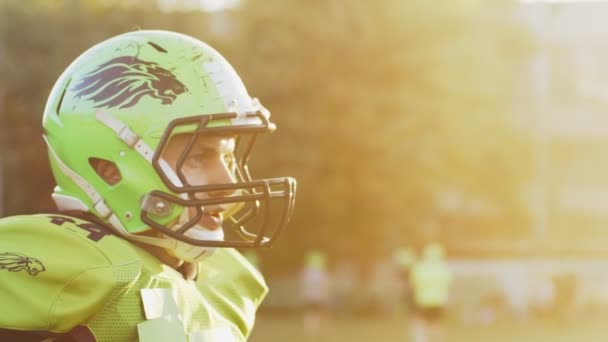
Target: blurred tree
382, 107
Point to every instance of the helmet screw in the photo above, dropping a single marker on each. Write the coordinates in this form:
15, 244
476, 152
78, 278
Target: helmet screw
128, 215
160, 207
233, 106
122, 153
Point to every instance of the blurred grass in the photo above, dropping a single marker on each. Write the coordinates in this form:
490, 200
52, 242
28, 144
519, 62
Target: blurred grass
270, 328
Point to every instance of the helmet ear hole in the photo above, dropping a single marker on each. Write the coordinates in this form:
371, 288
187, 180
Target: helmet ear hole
107, 170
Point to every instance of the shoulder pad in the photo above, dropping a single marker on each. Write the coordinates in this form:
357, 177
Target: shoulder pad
228, 277
56, 271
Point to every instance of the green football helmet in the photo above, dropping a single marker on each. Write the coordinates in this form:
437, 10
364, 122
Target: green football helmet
121, 102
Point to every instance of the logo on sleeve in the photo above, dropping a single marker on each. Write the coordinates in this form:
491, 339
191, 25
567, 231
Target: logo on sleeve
123, 81
15, 262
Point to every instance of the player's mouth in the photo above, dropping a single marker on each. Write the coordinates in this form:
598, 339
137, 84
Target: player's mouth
212, 219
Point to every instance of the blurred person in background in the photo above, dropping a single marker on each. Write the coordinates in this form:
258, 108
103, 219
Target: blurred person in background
516, 288
566, 296
430, 279
542, 299
404, 258
144, 133
315, 290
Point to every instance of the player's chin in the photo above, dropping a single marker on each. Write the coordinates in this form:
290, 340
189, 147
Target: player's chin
203, 234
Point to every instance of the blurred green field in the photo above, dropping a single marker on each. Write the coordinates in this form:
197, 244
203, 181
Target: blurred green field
270, 328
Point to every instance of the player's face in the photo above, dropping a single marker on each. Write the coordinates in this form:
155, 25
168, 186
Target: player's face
210, 161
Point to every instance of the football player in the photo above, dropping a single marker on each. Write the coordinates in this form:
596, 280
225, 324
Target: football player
430, 278
148, 135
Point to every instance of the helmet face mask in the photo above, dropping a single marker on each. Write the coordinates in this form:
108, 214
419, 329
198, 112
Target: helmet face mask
251, 204
122, 101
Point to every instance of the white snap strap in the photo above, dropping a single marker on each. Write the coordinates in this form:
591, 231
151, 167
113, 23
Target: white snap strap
144, 150
94, 196
170, 173
102, 209
128, 136
125, 134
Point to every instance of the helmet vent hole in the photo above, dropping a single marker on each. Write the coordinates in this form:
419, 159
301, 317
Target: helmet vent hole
107, 170
157, 47
58, 109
